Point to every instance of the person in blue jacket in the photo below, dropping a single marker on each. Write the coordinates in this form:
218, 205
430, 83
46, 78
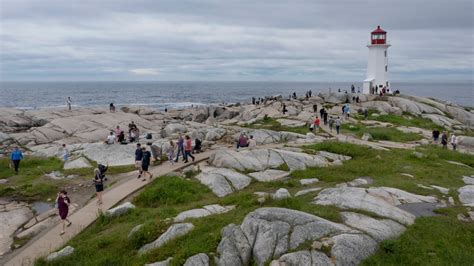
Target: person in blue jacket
16, 156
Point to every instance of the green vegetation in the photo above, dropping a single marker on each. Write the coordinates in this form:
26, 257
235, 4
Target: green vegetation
273, 124
30, 183
450, 240
406, 119
380, 133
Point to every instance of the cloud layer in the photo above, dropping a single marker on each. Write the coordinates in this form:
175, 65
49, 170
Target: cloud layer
232, 40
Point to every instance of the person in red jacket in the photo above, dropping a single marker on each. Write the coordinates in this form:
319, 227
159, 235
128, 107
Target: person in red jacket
188, 148
316, 123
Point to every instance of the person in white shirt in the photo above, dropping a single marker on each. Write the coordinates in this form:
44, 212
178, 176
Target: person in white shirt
454, 141
252, 143
65, 153
69, 102
111, 138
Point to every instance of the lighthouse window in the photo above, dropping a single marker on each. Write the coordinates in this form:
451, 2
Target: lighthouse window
385, 53
386, 68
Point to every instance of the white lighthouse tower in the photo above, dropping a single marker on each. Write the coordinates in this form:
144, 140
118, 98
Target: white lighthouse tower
377, 67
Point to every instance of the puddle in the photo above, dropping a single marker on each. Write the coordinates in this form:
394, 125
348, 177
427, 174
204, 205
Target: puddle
422, 209
41, 207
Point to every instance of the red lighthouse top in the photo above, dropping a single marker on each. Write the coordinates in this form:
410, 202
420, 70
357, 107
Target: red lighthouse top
378, 36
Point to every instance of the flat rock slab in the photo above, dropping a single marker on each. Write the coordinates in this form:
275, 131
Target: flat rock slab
466, 195
306, 191
269, 175
113, 155
291, 123
261, 159
308, 181
468, 180
382, 201
174, 231
203, 212
13, 216
80, 162
351, 249
223, 181
304, 257
361, 181
378, 229
166, 262
420, 209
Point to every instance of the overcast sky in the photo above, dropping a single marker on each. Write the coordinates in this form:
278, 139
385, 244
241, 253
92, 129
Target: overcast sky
272, 40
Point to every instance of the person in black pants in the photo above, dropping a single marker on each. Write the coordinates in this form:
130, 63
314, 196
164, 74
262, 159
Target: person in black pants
138, 159
146, 164
15, 157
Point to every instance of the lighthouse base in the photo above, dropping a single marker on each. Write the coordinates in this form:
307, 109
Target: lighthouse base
368, 85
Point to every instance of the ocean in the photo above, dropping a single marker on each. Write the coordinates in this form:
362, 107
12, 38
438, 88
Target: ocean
160, 95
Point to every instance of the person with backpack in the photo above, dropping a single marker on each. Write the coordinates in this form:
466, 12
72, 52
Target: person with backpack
188, 148
98, 181
63, 202
444, 140
146, 164
15, 157
180, 145
138, 159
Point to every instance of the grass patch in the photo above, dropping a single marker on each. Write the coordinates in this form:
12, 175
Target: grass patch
380, 133
430, 241
273, 124
406, 119
171, 190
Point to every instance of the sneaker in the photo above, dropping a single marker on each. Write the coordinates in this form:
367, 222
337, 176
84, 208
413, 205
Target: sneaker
138, 177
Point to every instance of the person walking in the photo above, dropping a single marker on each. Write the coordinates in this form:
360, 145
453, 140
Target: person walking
315, 108
170, 152
69, 103
444, 140
331, 123
180, 148
138, 159
98, 181
188, 148
325, 117
146, 163
338, 124
15, 157
63, 202
454, 141
284, 109
321, 112
435, 135
366, 114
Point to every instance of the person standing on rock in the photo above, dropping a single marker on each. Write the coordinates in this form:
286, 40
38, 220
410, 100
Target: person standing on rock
180, 148
69, 103
170, 152
284, 109
315, 108
99, 185
435, 136
338, 124
65, 153
454, 141
321, 112
15, 157
188, 148
325, 117
331, 123
138, 159
316, 123
146, 164
63, 202
444, 140
366, 114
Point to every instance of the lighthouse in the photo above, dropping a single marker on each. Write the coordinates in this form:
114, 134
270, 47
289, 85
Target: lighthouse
377, 67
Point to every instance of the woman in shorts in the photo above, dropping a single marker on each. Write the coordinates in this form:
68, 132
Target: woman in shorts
63, 202
99, 185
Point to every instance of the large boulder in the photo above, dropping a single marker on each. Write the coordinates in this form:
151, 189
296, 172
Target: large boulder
269, 175
303, 258
174, 231
113, 155
80, 162
382, 201
268, 233
223, 181
171, 129
214, 134
443, 121
264, 136
413, 107
200, 259
351, 249
382, 107
460, 114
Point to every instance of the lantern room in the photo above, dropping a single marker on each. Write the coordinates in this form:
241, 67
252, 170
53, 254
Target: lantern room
379, 36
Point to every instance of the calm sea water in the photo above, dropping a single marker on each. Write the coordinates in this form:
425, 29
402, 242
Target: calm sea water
33, 95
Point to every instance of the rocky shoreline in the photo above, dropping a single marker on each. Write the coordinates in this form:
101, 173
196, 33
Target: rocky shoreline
41, 133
